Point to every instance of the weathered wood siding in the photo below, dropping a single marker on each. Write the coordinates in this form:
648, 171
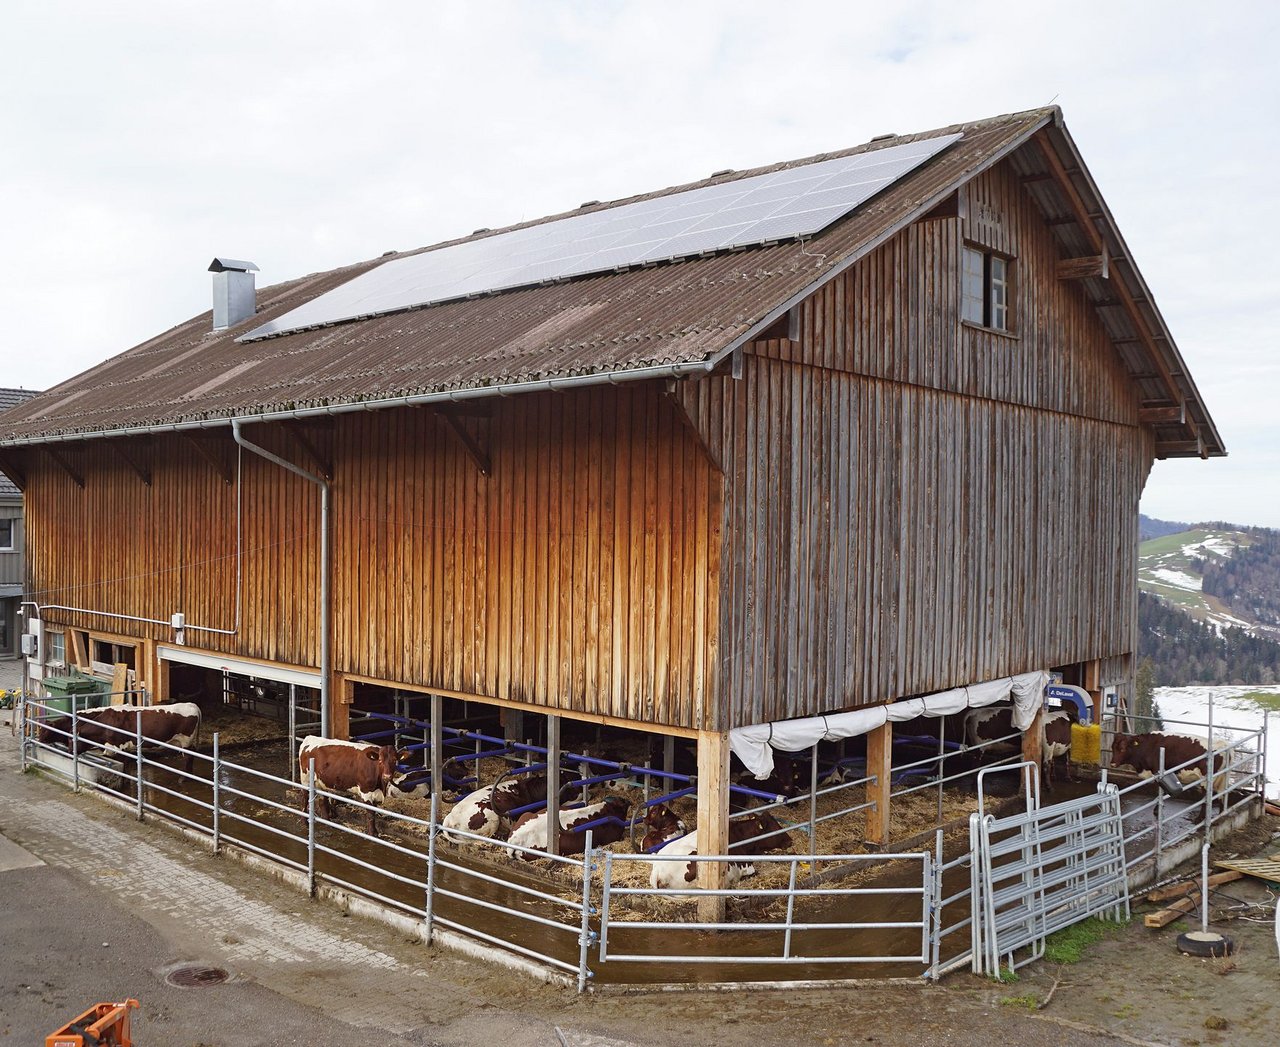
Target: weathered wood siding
580, 575
913, 503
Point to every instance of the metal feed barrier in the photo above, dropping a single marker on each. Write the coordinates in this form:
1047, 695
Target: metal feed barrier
1022, 877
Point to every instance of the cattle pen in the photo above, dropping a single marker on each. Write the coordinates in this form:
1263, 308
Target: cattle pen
594, 920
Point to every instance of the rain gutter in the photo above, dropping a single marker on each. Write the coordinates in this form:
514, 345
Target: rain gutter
325, 601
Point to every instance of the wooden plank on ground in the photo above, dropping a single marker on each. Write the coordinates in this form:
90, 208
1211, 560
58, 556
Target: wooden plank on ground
1177, 890
1261, 868
1166, 916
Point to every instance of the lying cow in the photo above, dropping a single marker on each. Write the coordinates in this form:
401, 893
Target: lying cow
483, 811
744, 838
114, 728
362, 769
531, 829
662, 826
1142, 753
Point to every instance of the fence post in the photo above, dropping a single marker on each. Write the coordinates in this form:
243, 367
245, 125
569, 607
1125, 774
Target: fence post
431, 864
584, 935
1209, 767
311, 827
293, 732
137, 741
21, 711
935, 908
217, 785
791, 906
75, 746
1159, 812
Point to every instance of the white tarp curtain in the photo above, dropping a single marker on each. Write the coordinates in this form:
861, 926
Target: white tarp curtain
754, 745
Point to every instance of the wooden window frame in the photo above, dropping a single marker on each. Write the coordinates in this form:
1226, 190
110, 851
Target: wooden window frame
12, 544
991, 285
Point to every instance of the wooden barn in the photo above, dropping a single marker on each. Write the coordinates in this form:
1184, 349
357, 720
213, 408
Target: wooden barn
888, 447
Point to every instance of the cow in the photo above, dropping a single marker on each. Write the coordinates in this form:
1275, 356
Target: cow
744, 838
663, 827
363, 769
994, 722
790, 778
531, 829
483, 810
1142, 753
114, 728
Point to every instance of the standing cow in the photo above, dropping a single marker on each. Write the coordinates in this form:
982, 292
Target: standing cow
361, 769
115, 727
1142, 753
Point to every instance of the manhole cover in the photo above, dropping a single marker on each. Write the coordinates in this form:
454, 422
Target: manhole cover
194, 976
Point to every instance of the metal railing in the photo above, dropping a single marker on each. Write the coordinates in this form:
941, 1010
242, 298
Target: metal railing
686, 942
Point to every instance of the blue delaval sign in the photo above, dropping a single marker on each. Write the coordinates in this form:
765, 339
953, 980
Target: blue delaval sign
1062, 693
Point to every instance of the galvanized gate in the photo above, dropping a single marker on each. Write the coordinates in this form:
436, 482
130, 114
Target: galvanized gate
1040, 870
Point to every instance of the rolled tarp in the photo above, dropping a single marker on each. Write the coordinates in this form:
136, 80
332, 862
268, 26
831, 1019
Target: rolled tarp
754, 745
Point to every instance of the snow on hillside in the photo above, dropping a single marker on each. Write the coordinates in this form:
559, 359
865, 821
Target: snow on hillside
1167, 569
1180, 579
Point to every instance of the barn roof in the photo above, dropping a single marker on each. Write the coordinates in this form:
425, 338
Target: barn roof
11, 398
671, 319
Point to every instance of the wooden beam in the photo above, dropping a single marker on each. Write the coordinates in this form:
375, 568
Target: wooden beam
342, 693
1181, 449
469, 443
70, 470
78, 652
713, 819
119, 680
9, 466
1032, 739
1150, 415
1166, 916
1081, 268
133, 461
673, 395
206, 451
879, 764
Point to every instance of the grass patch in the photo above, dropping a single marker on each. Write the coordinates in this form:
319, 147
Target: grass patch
1070, 944
1006, 976
1028, 1002
1264, 699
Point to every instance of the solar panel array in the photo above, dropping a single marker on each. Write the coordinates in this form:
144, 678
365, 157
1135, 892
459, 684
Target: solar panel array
782, 205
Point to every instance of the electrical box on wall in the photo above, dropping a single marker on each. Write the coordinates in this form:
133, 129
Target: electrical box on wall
30, 645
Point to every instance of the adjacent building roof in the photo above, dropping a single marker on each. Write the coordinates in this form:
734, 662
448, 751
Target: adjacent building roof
674, 318
11, 398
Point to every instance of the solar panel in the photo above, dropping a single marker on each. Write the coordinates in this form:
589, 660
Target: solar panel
794, 202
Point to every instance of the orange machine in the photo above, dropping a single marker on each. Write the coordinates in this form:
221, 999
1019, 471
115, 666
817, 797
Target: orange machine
102, 1025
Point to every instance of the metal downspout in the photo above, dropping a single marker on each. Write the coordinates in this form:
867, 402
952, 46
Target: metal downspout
325, 603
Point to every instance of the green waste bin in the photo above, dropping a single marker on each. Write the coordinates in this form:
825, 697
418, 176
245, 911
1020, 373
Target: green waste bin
87, 692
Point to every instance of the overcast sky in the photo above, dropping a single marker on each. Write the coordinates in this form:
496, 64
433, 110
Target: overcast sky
141, 139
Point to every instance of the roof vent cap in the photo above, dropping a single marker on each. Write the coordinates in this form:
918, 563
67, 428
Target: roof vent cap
884, 137
722, 171
234, 295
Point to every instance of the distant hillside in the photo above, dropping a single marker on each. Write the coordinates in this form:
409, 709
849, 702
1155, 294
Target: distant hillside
1209, 607
1149, 527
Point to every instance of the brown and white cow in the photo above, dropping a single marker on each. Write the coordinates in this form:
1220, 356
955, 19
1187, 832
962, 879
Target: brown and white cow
995, 722
483, 810
662, 827
362, 769
1142, 753
531, 829
114, 728
744, 838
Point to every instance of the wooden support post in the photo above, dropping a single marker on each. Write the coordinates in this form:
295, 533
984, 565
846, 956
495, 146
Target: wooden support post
553, 784
513, 725
119, 681
78, 644
713, 819
341, 695
880, 764
1032, 737
437, 744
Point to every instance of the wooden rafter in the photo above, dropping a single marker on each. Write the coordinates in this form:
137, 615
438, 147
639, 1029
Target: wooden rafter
1151, 415
66, 465
469, 443
136, 462
673, 394
1081, 268
210, 452
1085, 221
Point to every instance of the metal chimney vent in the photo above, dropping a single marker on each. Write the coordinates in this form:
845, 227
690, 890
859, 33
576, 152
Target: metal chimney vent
234, 295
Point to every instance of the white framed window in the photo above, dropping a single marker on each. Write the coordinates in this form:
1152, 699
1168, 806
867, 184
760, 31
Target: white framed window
56, 647
8, 531
985, 283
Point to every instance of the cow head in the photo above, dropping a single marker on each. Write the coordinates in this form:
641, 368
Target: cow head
386, 758
1122, 747
616, 807
55, 732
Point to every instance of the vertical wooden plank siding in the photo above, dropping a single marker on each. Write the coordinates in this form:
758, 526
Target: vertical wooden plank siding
912, 503
581, 575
